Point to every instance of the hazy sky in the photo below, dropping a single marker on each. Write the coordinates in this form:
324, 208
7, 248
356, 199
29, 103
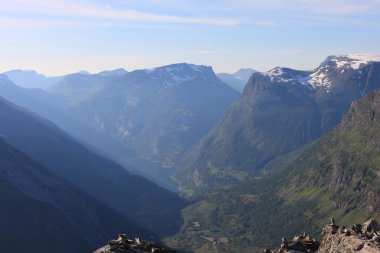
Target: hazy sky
63, 36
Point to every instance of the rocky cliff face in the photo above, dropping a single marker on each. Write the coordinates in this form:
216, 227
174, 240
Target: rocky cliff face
125, 245
363, 238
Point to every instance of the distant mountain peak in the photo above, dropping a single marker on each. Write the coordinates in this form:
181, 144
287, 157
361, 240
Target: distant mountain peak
339, 64
237, 80
83, 72
244, 73
30, 79
115, 72
180, 67
30, 71
178, 73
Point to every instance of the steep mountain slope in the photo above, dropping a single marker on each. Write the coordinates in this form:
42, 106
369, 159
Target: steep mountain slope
161, 112
53, 107
279, 111
31, 79
338, 175
238, 79
76, 87
48, 213
131, 196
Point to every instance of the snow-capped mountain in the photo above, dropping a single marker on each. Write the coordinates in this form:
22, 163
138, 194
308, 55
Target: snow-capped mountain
288, 76
333, 66
325, 75
178, 73
278, 112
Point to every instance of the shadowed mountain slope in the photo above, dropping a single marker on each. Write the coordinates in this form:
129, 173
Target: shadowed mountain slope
133, 197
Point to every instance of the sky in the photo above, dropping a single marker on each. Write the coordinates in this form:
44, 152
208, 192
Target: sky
57, 37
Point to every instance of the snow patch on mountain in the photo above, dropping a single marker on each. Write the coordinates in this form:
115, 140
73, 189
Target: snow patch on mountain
354, 61
321, 76
288, 76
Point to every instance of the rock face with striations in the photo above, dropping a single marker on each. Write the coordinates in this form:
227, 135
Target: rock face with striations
125, 245
364, 238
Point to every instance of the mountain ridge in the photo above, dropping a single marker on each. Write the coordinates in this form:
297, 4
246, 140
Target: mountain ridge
31, 79
243, 142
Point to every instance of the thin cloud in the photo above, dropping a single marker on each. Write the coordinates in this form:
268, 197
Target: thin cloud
28, 23
333, 7
100, 12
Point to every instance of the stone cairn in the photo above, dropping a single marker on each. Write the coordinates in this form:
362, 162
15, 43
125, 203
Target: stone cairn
363, 238
125, 245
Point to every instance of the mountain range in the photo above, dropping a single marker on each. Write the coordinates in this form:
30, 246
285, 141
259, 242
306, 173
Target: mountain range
144, 118
295, 148
280, 111
158, 113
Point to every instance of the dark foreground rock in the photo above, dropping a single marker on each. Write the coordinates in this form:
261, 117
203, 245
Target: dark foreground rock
363, 238
125, 245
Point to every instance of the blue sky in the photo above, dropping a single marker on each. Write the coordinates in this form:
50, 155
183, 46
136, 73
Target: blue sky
63, 36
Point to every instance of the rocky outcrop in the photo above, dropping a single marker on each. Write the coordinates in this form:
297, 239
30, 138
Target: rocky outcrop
364, 238
125, 245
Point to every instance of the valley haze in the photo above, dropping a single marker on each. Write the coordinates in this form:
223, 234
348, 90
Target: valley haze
188, 126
